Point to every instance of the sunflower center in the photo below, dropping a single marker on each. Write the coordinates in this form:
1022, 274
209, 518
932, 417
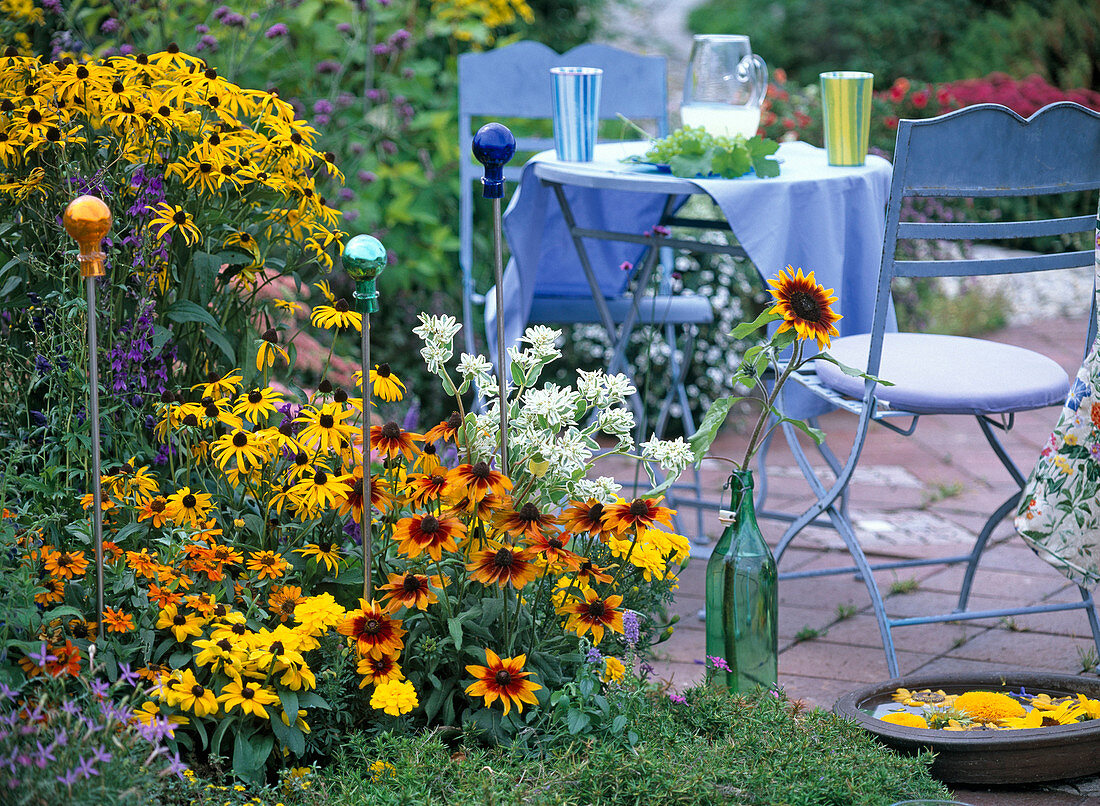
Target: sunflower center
189, 501
325, 421
430, 524
410, 584
529, 512
391, 430
597, 609
805, 306
320, 478
179, 619
504, 559
197, 690
639, 509
502, 678
239, 439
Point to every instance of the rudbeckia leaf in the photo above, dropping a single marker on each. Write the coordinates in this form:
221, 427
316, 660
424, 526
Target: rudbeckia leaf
289, 700
184, 310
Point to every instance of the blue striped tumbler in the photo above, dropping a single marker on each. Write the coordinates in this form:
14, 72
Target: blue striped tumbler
576, 92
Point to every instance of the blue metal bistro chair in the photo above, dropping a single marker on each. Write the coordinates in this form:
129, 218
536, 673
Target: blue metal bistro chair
981, 151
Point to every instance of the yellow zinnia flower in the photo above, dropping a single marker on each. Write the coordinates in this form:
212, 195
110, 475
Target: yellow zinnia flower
396, 697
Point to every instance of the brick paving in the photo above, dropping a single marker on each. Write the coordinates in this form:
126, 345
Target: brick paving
921, 496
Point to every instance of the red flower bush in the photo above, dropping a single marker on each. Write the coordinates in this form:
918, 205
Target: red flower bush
1025, 97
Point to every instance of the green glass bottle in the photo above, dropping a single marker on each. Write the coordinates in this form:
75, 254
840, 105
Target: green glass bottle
742, 596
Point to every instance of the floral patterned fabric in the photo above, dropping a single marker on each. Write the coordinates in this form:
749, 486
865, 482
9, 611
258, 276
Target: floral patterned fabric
1059, 512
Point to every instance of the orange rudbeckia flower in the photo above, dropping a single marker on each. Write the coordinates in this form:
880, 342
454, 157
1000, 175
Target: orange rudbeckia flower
503, 679
503, 565
594, 614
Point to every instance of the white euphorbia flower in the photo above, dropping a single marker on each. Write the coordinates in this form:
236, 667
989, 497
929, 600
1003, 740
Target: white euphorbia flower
603, 489
543, 341
556, 405
616, 422
673, 455
475, 368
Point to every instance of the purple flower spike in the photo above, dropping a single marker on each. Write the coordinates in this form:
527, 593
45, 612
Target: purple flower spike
630, 627
278, 30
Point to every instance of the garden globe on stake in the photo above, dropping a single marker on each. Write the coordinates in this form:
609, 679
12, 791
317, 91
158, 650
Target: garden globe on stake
364, 259
87, 220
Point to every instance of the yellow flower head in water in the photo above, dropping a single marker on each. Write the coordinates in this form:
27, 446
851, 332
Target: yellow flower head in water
905, 719
989, 706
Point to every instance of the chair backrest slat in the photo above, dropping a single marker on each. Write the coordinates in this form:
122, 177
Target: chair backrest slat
1016, 264
994, 230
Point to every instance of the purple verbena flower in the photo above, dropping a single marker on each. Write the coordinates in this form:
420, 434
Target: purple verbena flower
277, 30
323, 107
326, 67
221, 11
344, 28
202, 28
109, 25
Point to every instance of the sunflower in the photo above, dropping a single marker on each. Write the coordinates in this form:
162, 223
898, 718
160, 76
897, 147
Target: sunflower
526, 521
219, 386
251, 697
804, 306
323, 551
338, 315
385, 384
325, 427
587, 517
267, 564
382, 669
240, 447
117, 620
447, 430
503, 679
374, 632
426, 489
408, 590
501, 565
428, 533
64, 564
552, 547
392, 440
588, 573
594, 614
184, 505
174, 218
269, 349
258, 404
182, 625
477, 480
641, 513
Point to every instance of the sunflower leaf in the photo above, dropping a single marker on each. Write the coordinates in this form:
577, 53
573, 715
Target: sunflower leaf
745, 328
703, 438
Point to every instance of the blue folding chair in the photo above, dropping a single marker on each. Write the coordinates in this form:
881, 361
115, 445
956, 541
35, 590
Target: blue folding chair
982, 151
513, 83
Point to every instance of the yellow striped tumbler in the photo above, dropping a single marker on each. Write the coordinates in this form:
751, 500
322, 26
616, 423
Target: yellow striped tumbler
846, 106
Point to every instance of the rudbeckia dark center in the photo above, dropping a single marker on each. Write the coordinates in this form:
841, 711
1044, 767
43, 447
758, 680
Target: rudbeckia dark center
205, 167
212, 412
410, 584
157, 505
341, 396
220, 610
164, 111
225, 645
371, 627
597, 609
117, 87
191, 420
53, 134
239, 629
247, 692
430, 449
277, 648
179, 217
82, 72
805, 306
529, 512
502, 678
325, 421
341, 306
454, 421
255, 396
595, 512
197, 690
430, 524
189, 501
555, 543
239, 439
639, 509
320, 478
179, 619
34, 117
504, 559
391, 430
301, 458
325, 546
270, 336
480, 471
383, 371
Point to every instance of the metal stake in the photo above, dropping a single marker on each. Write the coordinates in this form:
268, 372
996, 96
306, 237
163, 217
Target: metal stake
364, 259
493, 146
87, 220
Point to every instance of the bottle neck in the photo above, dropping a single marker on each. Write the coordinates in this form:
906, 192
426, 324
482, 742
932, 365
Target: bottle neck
742, 504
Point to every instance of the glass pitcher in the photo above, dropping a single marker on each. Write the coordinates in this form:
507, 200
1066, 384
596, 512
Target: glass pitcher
725, 84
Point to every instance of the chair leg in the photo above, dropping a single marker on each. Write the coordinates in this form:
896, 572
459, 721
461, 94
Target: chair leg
1090, 610
979, 546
